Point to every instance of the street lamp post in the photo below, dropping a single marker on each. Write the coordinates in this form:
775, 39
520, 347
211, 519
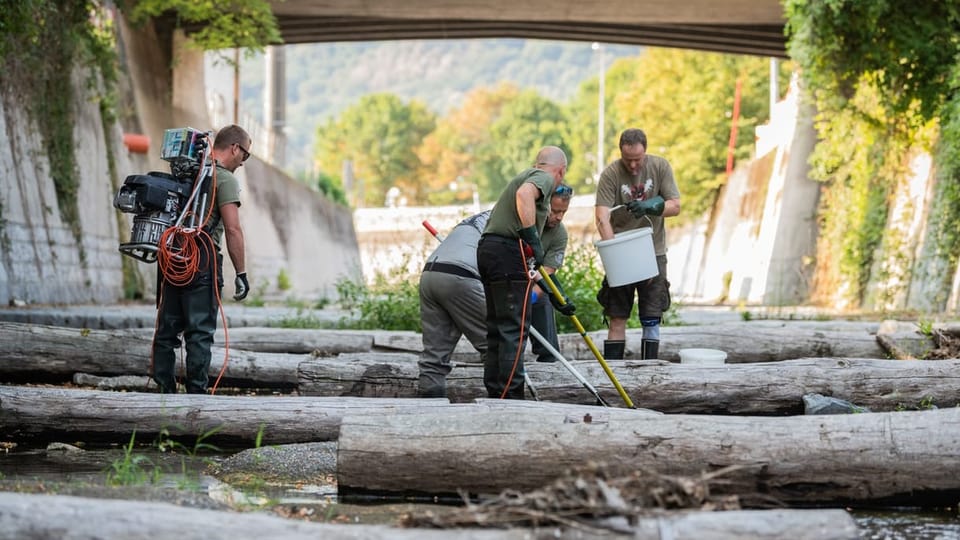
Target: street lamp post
600, 103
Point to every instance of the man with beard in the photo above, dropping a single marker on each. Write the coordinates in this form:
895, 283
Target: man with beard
643, 188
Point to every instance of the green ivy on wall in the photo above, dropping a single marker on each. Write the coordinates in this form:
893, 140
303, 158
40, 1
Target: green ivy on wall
41, 41
880, 75
246, 24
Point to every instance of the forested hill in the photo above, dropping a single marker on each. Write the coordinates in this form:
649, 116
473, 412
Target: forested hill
324, 79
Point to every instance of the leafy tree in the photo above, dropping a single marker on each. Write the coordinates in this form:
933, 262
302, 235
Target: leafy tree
448, 154
882, 75
910, 47
246, 24
379, 136
526, 124
582, 122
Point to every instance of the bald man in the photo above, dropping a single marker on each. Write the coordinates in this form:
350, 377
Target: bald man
515, 226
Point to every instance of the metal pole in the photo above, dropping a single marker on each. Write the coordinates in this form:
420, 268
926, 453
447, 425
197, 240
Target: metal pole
601, 94
556, 354
593, 348
236, 86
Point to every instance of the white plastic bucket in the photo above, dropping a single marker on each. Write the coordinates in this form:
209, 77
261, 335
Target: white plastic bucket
628, 257
703, 357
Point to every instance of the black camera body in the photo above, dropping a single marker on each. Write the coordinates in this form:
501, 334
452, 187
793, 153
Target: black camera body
157, 200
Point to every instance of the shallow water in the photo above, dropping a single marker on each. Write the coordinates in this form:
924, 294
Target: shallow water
185, 479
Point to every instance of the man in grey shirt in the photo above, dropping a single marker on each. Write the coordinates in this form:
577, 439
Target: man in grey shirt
452, 300
452, 304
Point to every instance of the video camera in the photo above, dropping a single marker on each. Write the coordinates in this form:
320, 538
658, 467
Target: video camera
158, 199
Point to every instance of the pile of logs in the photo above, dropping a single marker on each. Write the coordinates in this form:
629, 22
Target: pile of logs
359, 389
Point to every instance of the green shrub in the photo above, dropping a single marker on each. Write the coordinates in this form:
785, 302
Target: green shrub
388, 304
581, 276
283, 280
392, 302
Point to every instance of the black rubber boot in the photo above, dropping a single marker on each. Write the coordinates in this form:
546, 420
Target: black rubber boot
650, 349
431, 392
613, 349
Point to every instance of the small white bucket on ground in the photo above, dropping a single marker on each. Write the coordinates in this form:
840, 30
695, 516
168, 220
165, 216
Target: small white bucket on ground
703, 357
628, 257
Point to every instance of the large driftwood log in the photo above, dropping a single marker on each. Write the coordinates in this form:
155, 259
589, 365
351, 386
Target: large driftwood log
768, 340
49, 412
51, 516
297, 340
51, 353
761, 388
903, 456
753, 341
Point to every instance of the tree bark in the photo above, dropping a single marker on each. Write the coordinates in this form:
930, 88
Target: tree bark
901, 457
46, 413
37, 353
757, 389
48, 516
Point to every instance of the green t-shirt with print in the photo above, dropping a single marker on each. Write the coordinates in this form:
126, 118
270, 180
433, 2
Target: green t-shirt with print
618, 187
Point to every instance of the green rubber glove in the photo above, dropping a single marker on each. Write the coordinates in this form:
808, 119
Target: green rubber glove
530, 236
567, 308
652, 207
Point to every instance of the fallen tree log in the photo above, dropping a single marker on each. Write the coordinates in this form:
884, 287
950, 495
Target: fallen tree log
298, 340
905, 457
759, 389
768, 341
48, 516
48, 413
36, 353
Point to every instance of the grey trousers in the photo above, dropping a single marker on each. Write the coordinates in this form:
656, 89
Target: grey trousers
450, 306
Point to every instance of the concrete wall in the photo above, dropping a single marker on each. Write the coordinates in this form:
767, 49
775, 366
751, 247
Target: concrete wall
42, 261
287, 226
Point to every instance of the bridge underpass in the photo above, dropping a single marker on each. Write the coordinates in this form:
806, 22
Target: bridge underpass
754, 27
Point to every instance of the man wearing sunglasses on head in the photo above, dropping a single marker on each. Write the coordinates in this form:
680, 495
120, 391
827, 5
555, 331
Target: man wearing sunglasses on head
554, 240
191, 309
452, 301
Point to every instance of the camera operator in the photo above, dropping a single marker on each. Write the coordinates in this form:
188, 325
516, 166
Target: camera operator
191, 309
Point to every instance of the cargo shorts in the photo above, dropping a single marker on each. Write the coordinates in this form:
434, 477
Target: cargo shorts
653, 296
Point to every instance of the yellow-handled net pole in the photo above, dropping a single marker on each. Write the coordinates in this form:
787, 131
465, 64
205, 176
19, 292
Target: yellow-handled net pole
593, 348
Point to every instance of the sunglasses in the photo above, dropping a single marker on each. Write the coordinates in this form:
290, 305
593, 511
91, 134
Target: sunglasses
564, 190
246, 153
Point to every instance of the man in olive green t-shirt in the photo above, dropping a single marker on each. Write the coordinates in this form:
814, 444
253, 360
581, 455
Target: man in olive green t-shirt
515, 224
191, 308
554, 240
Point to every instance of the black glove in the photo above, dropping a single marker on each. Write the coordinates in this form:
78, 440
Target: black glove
653, 207
567, 308
532, 238
241, 286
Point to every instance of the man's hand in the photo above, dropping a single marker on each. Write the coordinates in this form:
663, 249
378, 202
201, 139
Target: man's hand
532, 239
567, 308
652, 207
241, 287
